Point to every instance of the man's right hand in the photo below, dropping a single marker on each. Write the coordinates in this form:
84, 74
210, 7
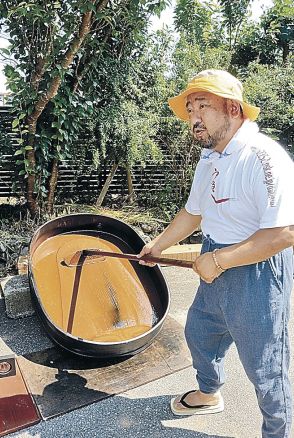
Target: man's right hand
153, 249
181, 226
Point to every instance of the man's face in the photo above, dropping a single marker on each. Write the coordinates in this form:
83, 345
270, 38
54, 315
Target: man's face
209, 118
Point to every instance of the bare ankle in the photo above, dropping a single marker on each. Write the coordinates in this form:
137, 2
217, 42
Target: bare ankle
209, 396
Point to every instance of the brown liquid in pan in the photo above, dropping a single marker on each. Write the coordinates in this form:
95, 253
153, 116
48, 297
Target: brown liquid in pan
112, 304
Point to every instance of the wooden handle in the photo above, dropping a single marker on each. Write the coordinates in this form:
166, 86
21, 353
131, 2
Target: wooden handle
96, 253
146, 258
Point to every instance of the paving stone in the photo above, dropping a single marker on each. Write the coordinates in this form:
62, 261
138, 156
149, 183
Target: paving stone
17, 297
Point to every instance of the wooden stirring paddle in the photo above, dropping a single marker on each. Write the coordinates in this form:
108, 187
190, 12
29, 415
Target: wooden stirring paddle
92, 254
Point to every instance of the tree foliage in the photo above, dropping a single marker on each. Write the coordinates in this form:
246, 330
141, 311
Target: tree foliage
271, 88
195, 20
271, 41
89, 68
68, 60
220, 34
234, 14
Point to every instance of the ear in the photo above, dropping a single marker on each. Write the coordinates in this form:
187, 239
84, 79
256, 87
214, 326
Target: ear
235, 109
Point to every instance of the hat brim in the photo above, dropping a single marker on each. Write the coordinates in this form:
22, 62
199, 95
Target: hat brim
178, 104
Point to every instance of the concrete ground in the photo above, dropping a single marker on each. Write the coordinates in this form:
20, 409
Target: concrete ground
144, 412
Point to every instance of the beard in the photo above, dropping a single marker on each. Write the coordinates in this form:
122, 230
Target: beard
211, 141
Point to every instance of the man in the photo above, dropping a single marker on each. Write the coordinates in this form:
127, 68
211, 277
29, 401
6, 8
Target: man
242, 196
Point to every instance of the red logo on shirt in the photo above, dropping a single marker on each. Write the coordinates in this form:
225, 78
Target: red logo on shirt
214, 176
219, 201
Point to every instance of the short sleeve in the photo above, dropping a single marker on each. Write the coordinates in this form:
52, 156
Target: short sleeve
272, 187
192, 205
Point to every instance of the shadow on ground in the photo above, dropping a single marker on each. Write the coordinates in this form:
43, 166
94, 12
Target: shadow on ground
117, 417
22, 335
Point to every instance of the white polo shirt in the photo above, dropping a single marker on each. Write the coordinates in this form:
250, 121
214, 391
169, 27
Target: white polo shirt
243, 189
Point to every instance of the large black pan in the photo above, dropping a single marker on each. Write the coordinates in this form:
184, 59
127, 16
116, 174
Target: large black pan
127, 240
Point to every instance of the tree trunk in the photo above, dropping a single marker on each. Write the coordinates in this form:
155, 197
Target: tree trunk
48, 95
106, 185
286, 52
52, 186
30, 156
131, 192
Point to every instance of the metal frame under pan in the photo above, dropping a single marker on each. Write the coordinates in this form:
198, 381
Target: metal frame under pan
97, 223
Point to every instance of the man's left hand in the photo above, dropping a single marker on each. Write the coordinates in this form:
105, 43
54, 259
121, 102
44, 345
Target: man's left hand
205, 267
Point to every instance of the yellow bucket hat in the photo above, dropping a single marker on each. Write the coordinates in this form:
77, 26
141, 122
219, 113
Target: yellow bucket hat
218, 82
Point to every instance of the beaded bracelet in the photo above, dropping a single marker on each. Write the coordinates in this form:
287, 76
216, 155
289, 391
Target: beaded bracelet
218, 266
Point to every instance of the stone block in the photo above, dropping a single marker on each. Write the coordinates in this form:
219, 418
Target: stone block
17, 297
22, 265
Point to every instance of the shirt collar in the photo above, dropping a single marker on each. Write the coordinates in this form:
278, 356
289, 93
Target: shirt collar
238, 142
